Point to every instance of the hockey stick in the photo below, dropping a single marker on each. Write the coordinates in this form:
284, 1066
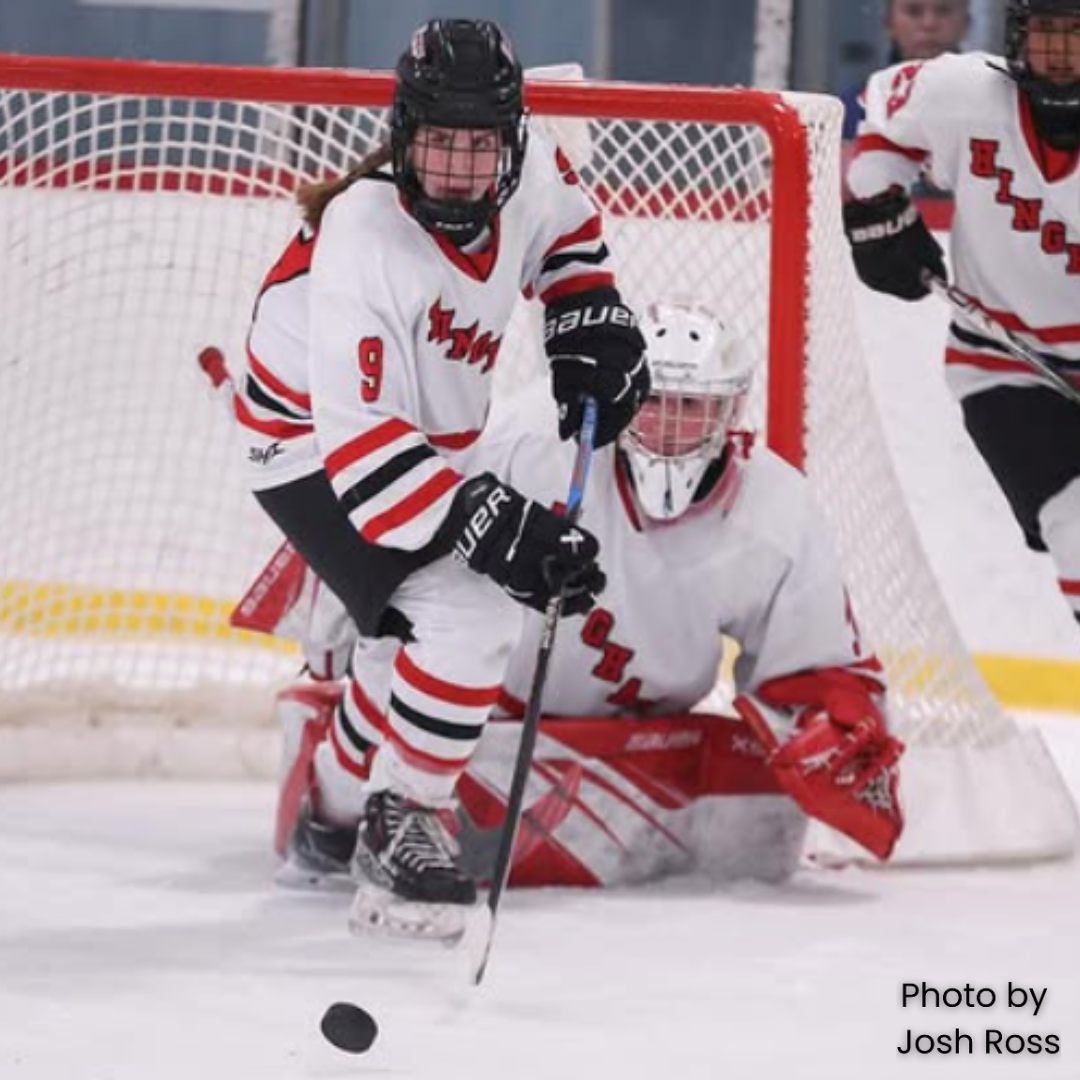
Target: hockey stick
992, 328
481, 932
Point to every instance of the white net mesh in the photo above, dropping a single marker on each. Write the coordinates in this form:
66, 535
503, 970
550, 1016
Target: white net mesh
135, 229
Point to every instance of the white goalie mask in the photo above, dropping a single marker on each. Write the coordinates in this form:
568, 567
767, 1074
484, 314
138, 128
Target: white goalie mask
701, 375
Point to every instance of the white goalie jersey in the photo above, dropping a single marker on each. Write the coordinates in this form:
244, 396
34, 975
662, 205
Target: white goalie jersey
756, 564
1015, 242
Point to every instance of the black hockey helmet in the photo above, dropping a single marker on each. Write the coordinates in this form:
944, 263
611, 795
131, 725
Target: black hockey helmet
458, 73
1055, 106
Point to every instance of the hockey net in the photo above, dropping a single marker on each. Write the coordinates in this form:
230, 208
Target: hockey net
140, 206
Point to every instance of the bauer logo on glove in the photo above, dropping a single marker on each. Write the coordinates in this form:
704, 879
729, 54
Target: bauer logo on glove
596, 350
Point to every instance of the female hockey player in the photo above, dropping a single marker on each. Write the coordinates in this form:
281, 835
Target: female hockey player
367, 387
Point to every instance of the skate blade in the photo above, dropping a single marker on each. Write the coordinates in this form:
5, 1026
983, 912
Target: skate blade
375, 911
293, 875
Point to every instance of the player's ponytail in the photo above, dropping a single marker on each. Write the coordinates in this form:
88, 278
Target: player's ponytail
314, 198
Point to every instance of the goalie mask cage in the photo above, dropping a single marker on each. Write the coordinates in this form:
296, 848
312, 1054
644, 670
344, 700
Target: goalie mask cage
140, 207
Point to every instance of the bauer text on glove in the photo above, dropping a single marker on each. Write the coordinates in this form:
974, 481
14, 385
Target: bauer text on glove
596, 350
528, 550
891, 245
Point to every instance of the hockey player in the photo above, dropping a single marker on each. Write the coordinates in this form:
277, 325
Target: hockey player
366, 392
1004, 135
705, 534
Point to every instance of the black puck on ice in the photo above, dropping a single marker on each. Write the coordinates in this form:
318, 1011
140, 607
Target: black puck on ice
349, 1027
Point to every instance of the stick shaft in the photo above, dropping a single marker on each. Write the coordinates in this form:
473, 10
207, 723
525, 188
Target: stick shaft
530, 725
1016, 345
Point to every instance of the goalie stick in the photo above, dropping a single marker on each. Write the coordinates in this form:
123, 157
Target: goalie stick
1000, 333
480, 933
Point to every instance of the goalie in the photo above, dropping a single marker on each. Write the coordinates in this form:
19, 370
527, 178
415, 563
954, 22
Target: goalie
704, 534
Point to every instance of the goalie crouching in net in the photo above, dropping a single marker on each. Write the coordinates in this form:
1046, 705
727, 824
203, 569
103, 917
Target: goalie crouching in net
704, 535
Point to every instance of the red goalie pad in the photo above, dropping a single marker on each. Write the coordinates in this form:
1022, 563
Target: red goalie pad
839, 762
610, 801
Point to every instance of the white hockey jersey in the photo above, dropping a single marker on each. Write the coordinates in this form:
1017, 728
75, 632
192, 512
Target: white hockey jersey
756, 565
1015, 243
373, 344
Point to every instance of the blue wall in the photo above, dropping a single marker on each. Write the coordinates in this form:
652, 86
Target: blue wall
68, 28
553, 31
695, 41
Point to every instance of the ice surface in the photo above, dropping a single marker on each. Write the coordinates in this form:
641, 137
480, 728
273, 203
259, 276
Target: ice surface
141, 939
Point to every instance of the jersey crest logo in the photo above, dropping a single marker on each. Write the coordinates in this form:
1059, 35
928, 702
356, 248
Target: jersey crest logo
466, 344
902, 85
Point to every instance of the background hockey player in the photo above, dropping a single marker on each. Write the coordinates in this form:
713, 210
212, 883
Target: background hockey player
705, 534
1004, 135
366, 391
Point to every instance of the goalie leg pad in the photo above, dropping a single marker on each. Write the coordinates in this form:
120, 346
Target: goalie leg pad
304, 712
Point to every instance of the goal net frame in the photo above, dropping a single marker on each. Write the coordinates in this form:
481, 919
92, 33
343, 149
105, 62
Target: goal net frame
117, 177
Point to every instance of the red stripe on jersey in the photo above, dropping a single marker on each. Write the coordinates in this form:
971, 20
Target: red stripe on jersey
454, 440
355, 449
579, 283
279, 429
1069, 588
1000, 364
593, 229
273, 383
295, 260
411, 506
452, 693
1067, 333
869, 143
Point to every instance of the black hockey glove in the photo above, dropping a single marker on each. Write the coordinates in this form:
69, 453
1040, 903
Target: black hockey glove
525, 548
596, 349
891, 244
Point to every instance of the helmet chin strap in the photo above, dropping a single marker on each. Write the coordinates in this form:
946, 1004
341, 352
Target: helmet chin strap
460, 229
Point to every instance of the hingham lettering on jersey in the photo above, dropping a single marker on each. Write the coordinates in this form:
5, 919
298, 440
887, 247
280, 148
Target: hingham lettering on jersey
465, 343
1028, 214
1015, 241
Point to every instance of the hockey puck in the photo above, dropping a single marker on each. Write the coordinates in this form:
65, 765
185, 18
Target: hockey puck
349, 1028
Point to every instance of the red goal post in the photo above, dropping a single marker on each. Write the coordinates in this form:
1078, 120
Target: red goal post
140, 205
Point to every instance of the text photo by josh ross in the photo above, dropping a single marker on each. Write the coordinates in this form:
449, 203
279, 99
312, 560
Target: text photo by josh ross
1030, 1000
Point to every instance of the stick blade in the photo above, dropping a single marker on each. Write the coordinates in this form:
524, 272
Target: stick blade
476, 942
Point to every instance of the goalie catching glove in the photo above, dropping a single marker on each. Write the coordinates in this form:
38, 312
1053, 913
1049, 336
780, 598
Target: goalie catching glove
528, 550
839, 763
596, 350
891, 245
